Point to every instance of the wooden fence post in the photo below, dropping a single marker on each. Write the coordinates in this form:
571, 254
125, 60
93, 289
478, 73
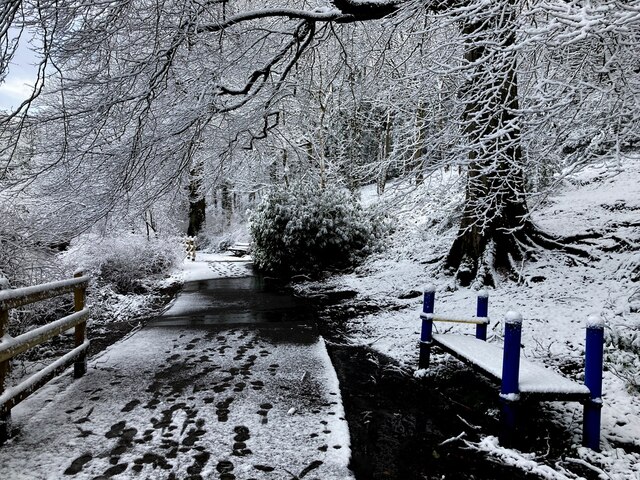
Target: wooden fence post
191, 248
5, 367
79, 296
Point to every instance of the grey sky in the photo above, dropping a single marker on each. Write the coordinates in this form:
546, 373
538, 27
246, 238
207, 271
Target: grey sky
22, 74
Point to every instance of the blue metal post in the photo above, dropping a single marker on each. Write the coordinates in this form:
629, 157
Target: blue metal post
482, 311
594, 355
509, 389
511, 355
427, 326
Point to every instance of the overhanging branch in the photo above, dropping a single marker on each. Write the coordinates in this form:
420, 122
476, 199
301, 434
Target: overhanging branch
320, 16
345, 11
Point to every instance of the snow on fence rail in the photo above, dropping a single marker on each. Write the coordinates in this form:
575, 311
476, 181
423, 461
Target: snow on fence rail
12, 346
518, 377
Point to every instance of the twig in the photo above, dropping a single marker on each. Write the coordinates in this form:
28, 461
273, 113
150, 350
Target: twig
581, 462
473, 427
453, 439
379, 338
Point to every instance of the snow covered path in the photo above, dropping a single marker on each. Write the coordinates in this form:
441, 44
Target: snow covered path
224, 402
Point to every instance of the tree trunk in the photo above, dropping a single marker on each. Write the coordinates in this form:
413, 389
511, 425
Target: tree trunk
385, 154
495, 219
227, 204
150, 223
197, 202
417, 158
285, 167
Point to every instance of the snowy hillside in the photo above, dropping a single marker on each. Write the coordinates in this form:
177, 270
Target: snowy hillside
599, 208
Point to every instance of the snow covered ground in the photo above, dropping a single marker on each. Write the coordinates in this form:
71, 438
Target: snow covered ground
184, 402
555, 295
212, 265
207, 422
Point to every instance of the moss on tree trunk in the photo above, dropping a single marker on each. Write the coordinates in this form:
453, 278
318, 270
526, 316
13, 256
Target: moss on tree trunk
495, 219
197, 202
496, 233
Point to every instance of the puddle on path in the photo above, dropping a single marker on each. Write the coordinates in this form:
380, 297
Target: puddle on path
236, 301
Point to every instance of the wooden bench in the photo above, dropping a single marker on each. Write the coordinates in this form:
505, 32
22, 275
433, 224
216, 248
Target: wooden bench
240, 249
518, 378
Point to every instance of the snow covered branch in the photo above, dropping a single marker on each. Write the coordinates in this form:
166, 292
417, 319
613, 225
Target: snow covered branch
323, 15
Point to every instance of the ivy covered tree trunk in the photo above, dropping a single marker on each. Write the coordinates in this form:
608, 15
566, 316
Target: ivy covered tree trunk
417, 158
226, 203
385, 153
197, 202
495, 220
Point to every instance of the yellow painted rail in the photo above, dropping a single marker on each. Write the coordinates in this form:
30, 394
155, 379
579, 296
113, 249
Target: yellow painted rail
12, 346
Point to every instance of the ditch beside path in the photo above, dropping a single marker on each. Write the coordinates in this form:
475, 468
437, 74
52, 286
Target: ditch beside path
231, 382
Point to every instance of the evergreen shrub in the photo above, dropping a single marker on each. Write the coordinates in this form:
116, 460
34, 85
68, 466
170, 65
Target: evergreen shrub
305, 230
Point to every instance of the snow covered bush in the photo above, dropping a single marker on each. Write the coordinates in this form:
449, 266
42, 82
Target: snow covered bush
305, 230
124, 261
622, 354
27, 257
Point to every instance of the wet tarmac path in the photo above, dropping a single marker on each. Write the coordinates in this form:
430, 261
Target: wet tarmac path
249, 300
232, 382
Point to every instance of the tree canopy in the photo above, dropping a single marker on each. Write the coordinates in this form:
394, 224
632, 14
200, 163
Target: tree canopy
133, 98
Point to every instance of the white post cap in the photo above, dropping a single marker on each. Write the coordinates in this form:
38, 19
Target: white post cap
595, 321
513, 317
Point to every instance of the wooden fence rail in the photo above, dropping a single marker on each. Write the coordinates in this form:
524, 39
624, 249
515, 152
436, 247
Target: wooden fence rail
12, 346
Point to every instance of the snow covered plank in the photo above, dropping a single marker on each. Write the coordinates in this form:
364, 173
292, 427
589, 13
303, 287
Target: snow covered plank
470, 320
535, 381
12, 346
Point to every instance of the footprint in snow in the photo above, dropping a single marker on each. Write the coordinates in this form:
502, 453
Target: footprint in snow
77, 465
130, 406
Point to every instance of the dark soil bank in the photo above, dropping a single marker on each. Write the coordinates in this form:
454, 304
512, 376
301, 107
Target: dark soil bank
115, 330
398, 424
